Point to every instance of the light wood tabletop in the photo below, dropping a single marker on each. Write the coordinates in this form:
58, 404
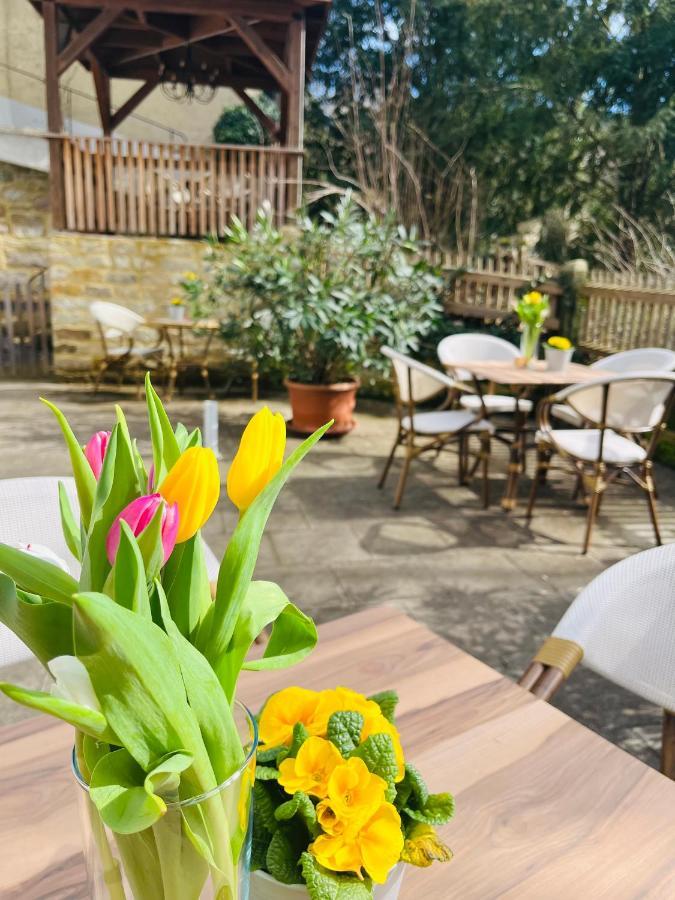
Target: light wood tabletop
503, 372
546, 810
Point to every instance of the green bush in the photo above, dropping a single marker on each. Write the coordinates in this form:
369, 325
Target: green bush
316, 301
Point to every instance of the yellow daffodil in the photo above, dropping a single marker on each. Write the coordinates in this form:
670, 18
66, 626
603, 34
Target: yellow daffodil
381, 842
193, 483
311, 769
258, 459
423, 846
338, 853
282, 711
559, 343
354, 792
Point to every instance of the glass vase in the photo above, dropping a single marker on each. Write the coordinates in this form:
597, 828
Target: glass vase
200, 849
529, 342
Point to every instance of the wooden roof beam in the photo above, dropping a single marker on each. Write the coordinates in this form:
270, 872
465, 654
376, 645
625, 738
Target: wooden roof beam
270, 10
102, 85
277, 69
83, 41
270, 126
127, 108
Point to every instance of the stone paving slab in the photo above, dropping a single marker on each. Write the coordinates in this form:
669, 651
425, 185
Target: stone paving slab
486, 580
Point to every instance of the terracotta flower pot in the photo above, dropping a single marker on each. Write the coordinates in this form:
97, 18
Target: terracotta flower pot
313, 405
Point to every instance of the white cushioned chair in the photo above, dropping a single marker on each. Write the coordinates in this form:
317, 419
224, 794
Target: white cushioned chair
623, 417
118, 328
622, 626
414, 383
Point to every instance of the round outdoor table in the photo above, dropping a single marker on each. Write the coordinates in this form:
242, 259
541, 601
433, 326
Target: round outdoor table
172, 335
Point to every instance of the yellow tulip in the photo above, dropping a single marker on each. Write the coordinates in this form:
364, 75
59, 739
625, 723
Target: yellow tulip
310, 770
282, 711
258, 459
193, 483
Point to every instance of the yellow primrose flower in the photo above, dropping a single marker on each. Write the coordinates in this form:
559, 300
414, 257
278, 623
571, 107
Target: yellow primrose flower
340, 699
258, 459
338, 853
282, 711
423, 846
559, 343
381, 842
310, 770
176, 301
327, 819
194, 484
354, 792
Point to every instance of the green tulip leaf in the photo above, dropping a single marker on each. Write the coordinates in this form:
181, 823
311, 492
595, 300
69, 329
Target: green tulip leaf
150, 545
69, 526
186, 583
164, 779
130, 588
85, 482
37, 576
45, 626
117, 789
90, 721
165, 448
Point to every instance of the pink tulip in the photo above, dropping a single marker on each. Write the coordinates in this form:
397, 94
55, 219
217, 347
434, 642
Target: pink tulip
95, 451
138, 515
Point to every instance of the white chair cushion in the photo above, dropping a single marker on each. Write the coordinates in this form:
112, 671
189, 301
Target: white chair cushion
446, 422
584, 443
566, 414
495, 403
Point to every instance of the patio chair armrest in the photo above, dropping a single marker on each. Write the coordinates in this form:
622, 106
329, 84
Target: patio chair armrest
551, 665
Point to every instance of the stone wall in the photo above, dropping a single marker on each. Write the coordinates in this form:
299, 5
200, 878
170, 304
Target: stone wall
24, 218
140, 273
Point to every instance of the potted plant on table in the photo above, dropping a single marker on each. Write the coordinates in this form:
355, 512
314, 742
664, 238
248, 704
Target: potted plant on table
144, 663
532, 310
177, 309
314, 302
337, 809
558, 351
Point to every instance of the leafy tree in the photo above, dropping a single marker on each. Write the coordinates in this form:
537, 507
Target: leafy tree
237, 125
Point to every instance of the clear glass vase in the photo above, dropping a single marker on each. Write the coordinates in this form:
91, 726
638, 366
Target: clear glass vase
200, 849
529, 342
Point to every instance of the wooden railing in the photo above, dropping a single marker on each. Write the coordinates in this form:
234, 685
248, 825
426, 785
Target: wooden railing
114, 186
25, 325
619, 312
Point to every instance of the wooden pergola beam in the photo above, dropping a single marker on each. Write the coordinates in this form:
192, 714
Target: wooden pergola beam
263, 51
269, 10
130, 105
270, 126
54, 117
83, 41
102, 85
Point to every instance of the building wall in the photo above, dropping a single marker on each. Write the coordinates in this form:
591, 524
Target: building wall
24, 218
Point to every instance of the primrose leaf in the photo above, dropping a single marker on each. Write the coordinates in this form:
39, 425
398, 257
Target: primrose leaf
282, 860
117, 789
377, 752
85, 482
264, 807
325, 885
300, 735
417, 785
438, 810
165, 448
300, 805
236, 570
259, 844
344, 730
37, 576
387, 701
45, 626
69, 525
266, 773
90, 721
268, 755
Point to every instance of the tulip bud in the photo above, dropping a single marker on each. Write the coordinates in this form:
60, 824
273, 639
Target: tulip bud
193, 485
258, 459
95, 451
138, 515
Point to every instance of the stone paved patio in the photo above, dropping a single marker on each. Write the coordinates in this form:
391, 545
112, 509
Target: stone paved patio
483, 579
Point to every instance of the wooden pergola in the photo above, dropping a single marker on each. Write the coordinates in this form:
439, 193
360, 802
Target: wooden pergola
239, 44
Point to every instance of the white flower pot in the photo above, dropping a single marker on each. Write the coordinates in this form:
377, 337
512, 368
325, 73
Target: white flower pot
177, 313
264, 887
557, 360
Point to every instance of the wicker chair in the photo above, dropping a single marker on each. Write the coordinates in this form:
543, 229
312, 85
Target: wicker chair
623, 416
416, 383
118, 329
621, 626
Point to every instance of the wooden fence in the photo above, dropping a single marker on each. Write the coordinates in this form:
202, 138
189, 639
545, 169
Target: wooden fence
136, 187
25, 325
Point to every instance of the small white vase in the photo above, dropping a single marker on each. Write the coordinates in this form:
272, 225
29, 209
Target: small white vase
557, 360
177, 313
264, 887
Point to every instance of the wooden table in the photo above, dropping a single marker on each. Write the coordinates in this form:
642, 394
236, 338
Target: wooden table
172, 334
546, 810
522, 381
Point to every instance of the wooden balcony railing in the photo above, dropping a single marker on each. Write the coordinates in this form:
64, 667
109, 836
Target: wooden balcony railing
114, 186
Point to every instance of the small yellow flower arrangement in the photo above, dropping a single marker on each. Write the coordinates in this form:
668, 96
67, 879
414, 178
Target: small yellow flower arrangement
559, 343
335, 802
177, 301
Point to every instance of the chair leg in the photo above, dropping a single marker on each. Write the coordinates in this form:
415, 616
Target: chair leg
390, 459
403, 477
651, 494
540, 467
668, 745
102, 368
593, 506
461, 459
485, 456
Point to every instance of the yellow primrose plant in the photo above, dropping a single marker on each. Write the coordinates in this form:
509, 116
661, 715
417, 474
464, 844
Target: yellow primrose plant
144, 653
559, 343
336, 805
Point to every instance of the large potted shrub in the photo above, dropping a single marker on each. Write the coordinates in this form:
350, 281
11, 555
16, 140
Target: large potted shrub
314, 301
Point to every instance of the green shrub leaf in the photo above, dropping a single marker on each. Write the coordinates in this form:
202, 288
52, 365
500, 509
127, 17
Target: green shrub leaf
344, 730
438, 810
325, 885
266, 773
300, 805
417, 786
264, 807
282, 860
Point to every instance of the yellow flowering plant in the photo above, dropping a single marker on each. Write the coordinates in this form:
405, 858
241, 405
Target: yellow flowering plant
559, 343
336, 805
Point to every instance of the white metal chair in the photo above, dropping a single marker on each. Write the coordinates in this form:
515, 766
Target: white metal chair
118, 328
623, 416
416, 383
642, 359
455, 348
622, 625
30, 515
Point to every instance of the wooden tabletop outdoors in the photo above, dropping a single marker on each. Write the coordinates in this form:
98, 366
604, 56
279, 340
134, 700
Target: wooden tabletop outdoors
167, 322
546, 810
509, 373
